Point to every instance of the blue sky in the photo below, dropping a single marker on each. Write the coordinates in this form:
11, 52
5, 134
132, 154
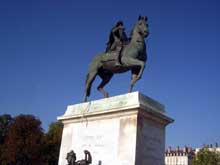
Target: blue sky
46, 46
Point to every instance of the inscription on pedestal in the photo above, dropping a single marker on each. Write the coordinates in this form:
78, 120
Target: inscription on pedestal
102, 143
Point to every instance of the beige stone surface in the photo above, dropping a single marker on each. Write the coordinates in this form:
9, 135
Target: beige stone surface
122, 130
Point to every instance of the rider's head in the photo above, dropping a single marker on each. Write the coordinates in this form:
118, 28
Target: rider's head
119, 23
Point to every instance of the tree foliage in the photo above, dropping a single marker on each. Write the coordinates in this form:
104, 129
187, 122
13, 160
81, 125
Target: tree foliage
5, 121
23, 143
206, 157
52, 143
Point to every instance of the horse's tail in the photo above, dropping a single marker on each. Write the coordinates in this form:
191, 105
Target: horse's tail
88, 90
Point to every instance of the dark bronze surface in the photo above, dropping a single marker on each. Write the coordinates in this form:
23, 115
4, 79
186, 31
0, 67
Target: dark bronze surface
71, 158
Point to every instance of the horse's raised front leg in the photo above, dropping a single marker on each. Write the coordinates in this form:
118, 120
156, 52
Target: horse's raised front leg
131, 62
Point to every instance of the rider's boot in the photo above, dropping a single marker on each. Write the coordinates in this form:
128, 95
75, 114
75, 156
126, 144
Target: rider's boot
117, 63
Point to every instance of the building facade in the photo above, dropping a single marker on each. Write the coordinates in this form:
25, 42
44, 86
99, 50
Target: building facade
179, 156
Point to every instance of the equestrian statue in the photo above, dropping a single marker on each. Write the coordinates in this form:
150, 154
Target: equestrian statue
122, 54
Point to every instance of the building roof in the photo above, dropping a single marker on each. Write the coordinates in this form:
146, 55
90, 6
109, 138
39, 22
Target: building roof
185, 151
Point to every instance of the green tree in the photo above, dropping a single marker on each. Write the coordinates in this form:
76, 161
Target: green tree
23, 143
52, 142
206, 157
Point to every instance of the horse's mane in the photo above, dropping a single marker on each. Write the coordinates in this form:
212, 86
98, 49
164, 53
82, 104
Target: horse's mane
132, 31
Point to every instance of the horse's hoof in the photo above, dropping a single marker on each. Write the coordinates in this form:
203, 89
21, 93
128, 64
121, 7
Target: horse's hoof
138, 78
106, 95
85, 99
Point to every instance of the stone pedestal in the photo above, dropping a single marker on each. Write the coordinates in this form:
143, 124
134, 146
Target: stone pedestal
122, 130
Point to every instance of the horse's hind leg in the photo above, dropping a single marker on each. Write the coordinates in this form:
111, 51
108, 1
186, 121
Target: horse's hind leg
105, 79
90, 78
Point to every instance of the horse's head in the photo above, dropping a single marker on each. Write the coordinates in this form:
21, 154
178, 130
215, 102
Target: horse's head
141, 26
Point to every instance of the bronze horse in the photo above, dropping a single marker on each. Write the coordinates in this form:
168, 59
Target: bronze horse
133, 57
